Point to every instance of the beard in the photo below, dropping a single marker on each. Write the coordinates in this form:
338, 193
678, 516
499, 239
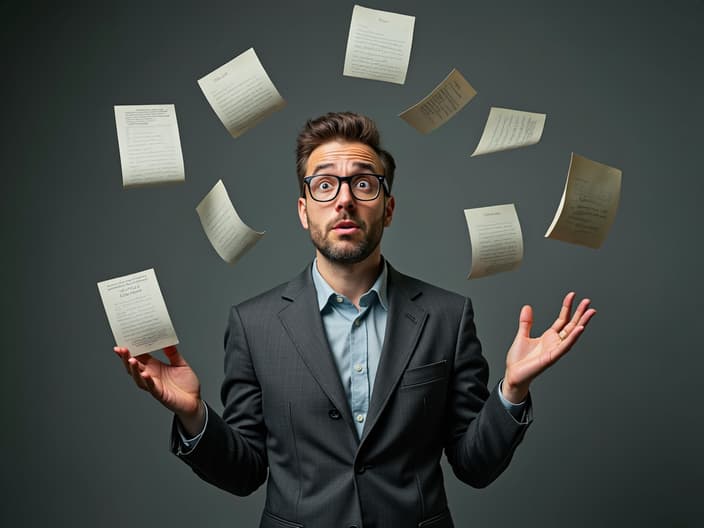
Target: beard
346, 250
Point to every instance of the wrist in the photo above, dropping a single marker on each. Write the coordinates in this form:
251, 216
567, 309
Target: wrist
512, 393
193, 422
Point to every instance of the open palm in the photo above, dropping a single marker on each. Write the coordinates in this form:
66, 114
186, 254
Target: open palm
529, 356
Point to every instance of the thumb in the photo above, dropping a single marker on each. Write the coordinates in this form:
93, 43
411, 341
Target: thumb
525, 321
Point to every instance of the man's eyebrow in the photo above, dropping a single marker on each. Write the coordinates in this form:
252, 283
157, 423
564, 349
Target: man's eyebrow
357, 165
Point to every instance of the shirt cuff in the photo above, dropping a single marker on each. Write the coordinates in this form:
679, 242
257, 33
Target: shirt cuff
189, 444
515, 409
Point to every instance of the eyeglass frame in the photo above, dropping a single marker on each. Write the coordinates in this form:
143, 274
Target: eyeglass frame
348, 180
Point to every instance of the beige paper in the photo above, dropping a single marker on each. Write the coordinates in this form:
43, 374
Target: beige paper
241, 93
149, 143
379, 45
436, 109
509, 129
137, 312
497, 242
230, 237
588, 205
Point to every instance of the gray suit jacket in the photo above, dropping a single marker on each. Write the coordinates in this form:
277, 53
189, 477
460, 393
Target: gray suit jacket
286, 413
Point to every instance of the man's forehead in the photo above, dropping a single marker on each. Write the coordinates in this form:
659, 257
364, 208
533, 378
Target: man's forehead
334, 153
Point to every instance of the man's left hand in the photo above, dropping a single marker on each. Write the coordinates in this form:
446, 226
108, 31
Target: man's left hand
529, 356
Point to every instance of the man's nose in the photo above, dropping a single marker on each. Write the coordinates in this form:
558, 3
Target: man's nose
345, 199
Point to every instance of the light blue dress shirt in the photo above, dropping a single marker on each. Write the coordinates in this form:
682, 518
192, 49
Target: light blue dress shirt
355, 338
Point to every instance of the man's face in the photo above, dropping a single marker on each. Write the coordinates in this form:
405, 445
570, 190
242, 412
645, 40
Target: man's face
345, 230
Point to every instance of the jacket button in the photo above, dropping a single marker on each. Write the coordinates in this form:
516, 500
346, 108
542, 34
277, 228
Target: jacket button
334, 414
361, 469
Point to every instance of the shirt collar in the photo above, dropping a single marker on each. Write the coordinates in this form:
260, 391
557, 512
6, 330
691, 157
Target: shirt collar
325, 292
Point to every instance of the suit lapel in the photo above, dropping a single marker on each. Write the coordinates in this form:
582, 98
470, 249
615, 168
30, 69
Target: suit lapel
404, 323
302, 322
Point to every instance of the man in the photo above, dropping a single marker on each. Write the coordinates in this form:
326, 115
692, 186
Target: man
344, 386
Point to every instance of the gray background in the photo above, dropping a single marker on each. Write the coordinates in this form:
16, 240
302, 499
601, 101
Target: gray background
617, 435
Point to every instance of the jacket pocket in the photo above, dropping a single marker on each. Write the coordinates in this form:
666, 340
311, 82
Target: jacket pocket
269, 520
442, 520
424, 374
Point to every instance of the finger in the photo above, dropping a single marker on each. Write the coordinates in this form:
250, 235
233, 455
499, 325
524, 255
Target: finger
174, 357
525, 321
569, 340
124, 355
577, 319
565, 311
153, 385
136, 368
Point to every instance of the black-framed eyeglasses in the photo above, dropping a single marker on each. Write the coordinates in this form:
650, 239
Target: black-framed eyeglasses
364, 187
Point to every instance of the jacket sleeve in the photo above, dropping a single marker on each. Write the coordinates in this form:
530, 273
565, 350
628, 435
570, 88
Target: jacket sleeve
482, 435
231, 453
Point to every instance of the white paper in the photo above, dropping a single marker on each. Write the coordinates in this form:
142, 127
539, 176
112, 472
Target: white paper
137, 313
588, 205
150, 147
436, 109
230, 237
379, 45
509, 129
497, 242
241, 93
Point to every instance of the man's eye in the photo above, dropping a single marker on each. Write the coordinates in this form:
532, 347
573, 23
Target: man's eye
325, 186
362, 184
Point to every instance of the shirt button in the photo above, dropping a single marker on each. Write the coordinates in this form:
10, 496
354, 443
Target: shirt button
358, 368
360, 418
357, 322
334, 414
339, 299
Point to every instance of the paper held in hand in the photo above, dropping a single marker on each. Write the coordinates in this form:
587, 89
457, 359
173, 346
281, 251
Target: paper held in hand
230, 237
497, 242
437, 108
149, 143
137, 313
241, 93
379, 45
588, 205
509, 129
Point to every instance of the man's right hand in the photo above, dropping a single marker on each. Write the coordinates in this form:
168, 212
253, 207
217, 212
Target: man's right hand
175, 385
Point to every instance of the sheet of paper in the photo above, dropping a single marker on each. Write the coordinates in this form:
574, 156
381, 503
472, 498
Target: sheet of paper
150, 147
137, 313
509, 129
436, 109
241, 93
588, 205
230, 237
379, 45
497, 242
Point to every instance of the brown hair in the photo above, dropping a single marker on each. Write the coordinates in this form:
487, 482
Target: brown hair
346, 126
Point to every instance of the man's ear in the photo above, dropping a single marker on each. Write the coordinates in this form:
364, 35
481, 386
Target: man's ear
389, 210
302, 214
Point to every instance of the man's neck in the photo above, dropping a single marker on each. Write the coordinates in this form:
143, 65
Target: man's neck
351, 280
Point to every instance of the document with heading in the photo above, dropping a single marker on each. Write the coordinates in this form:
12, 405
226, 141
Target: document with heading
497, 242
509, 129
137, 313
436, 109
588, 205
379, 45
149, 143
230, 237
241, 93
